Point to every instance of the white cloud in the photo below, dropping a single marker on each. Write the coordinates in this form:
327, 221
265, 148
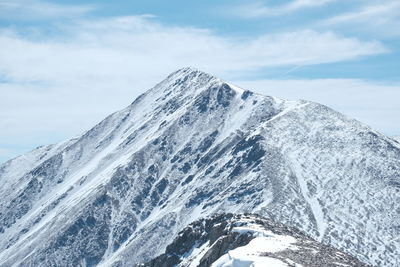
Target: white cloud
119, 51
260, 9
36, 9
372, 103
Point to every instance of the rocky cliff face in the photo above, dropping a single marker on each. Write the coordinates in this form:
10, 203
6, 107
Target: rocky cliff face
241, 240
190, 147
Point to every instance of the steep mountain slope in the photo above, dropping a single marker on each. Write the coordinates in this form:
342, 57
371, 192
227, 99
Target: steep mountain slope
192, 146
228, 240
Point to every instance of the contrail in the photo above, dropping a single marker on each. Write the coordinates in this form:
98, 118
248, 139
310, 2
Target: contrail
291, 70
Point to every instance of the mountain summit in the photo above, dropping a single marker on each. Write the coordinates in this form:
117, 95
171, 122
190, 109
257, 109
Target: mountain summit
191, 147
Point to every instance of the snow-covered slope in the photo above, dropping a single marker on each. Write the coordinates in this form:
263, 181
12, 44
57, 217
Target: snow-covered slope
190, 147
233, 240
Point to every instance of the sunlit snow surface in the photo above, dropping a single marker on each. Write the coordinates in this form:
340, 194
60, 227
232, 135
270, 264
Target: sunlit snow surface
251, 254
192, 146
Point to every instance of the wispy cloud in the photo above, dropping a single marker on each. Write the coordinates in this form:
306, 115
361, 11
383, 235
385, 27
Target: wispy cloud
384, 11
381, 17
361, 17
36, 9
260, 9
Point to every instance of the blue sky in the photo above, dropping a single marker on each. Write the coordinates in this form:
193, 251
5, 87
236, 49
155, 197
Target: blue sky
64, 65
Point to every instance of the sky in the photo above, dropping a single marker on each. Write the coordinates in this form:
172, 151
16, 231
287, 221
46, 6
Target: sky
65, 65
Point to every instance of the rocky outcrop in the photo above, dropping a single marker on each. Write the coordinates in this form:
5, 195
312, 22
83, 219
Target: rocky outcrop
206, 241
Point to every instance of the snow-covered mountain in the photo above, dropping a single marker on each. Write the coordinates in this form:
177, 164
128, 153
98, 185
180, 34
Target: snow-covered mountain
190, 147
232, 240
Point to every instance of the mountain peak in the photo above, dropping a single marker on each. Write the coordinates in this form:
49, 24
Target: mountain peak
188, 72
188, 148
183, 83
188, 69
193, 79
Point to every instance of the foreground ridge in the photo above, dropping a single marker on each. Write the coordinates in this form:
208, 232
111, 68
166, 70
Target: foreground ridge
192, 146
245, 239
